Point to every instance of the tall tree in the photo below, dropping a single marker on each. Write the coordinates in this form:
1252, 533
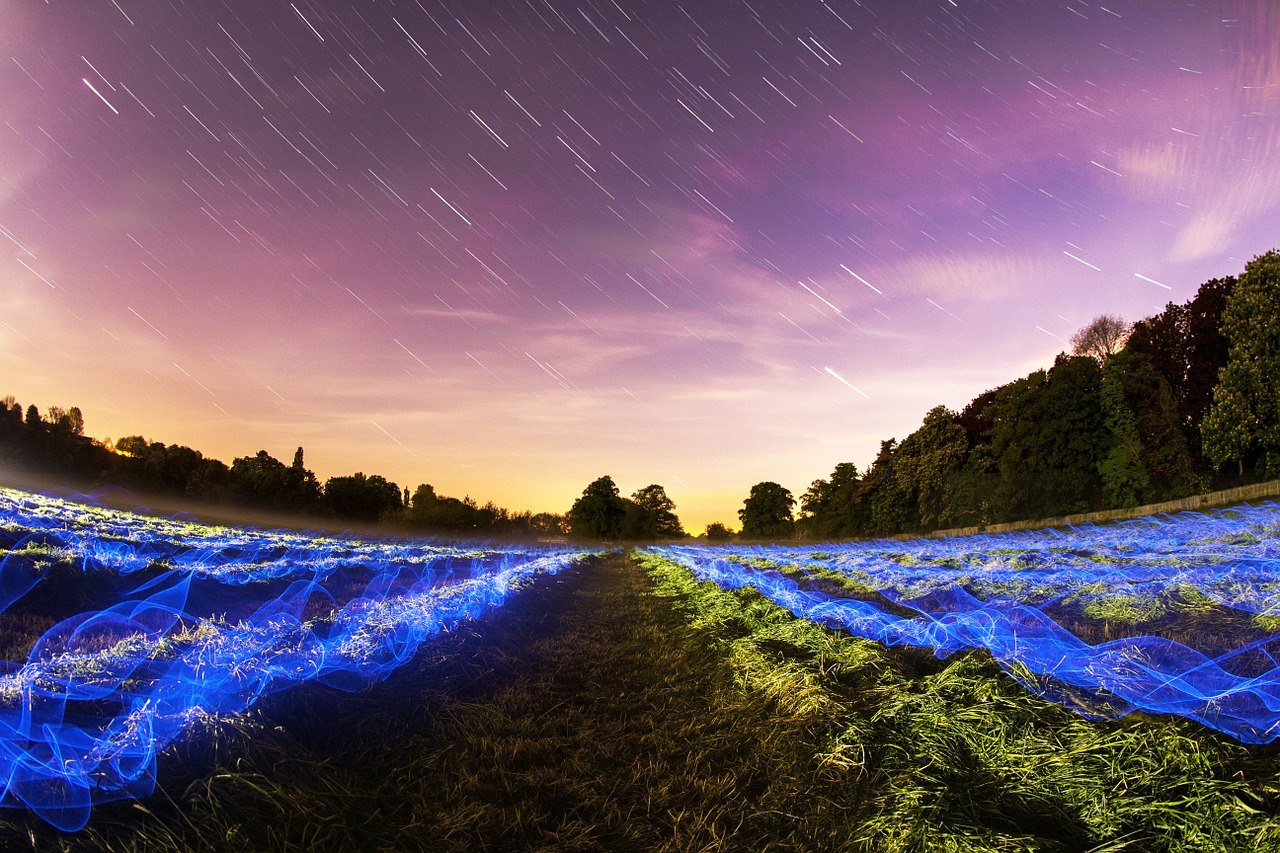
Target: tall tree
1243, 423
1047, 439
891, 507
1207, 351
1186, 346
360, 498
830, 507
600, 511
659, 512
926, 461
1124, 477
766, 513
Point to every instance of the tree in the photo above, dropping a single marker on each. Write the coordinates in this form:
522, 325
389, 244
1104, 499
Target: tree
1207, 350
1048, 435
265, 481
891, 507
1124, 477
1101, 338
830, 507
1243, 422
33, 417
547, 523
361, 498
1141, 411
599, 513
661, 519
766, 513
717, 532
1186, 347
927, 458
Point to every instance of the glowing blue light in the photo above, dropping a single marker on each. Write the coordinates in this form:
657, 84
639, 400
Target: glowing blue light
991, 592
218, 618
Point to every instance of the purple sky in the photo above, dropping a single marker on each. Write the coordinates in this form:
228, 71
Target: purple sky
507, 247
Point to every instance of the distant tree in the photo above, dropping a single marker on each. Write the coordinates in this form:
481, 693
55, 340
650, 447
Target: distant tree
132, 445
1101, 338
429, 511
361, 498
33, 417
766, 513
550, 524
661, 521
265, 481
75, 420
599, 513
423, 497
830, 507
1243, 422
717, 532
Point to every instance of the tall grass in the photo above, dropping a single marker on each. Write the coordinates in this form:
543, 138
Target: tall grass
955, 755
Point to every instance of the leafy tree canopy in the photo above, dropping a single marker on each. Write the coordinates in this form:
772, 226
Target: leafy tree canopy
766, 513
599, 513
1243, 422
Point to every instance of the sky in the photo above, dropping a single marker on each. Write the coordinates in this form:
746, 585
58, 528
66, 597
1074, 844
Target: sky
506, 248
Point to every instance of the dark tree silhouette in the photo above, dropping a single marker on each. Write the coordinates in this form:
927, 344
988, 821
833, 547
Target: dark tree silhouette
717, 532
766, 513
599, 513
360, 498
660, 520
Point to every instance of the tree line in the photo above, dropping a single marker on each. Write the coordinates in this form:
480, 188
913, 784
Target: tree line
55, 444
1179, 403
1175, 404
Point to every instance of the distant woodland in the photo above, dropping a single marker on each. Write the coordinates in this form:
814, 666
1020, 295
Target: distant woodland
1178, 403
54, 444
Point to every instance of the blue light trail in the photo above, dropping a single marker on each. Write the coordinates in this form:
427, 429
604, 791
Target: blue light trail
210, 620
1011, 594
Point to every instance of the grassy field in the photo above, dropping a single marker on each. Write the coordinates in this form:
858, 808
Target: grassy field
621, 705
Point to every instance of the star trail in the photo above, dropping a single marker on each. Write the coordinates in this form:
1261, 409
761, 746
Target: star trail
507, 247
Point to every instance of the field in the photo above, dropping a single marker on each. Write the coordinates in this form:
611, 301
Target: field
179, 687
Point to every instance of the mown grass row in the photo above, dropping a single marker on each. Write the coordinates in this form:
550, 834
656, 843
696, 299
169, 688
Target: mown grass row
954, 755
625, 706
586, 714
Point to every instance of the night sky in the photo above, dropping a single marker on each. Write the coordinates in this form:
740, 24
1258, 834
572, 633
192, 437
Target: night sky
508, 247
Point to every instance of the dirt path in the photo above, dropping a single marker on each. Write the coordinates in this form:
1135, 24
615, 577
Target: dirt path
583, 715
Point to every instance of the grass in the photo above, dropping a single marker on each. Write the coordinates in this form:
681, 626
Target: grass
957, 756
622, 705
